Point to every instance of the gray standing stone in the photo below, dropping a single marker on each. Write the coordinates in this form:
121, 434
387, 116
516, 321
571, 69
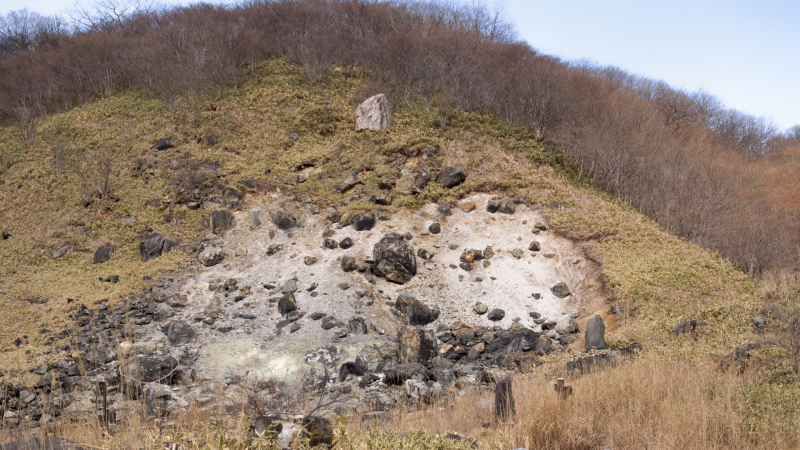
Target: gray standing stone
504, 400
595, 333
374, 114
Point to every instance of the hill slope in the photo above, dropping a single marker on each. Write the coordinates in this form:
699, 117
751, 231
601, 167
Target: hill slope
655, 279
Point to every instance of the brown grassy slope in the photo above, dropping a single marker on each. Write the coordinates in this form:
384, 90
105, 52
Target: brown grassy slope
664, 279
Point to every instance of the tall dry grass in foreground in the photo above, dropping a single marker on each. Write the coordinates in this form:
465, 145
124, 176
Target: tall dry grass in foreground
642, 405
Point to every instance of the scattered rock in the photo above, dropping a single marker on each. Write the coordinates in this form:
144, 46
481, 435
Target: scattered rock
258, 217
103, 254
468, 206
221, 221
517, 253
349, 264
274, 248
346, 243
374, 114
179, 333
507, 207
493, 205
566, 324
330, 244
364, 222
394, 259
451, 177
415, 345
357, 326
760, 322
60, 252
163, 144
480, 309
534, 246
151, 246
211, 256
287, 303
416, 313
496, 314
283, 221
310, 260
561, 290
595, 334
210, 140
435, 228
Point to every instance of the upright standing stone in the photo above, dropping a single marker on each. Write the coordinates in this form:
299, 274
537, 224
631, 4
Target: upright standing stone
374, 114
595, 333
504, 400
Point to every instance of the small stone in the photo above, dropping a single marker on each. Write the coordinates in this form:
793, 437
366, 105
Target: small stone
468, 206
445, 209
534, 246
309, 260
496, 314
346, 243
435, 228
290, 286
508, 207
517, 253
465, 266
480, 309
425, 254
561, 290
539, 225
330, 244
364, 222
534, 314
344, 286
349, 264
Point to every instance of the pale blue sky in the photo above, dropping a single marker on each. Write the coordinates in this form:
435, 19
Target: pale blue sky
746, 53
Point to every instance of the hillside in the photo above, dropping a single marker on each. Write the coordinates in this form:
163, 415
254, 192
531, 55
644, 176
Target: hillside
283, 142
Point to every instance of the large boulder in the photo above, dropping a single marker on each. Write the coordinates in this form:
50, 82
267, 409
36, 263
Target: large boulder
451, 177
374, 114
283, 220
221, 221
595, 333
364, 222
394, 259
415, 345
151, 246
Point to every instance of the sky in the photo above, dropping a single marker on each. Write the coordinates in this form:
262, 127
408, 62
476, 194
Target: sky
746, 53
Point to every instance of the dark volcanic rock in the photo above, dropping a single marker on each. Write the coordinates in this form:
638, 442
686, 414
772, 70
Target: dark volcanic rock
357, 326
561, 290
222, 221
435, 228
146, 369
330, 244
179, 332
103, 254
364, 222
451, 177
163, 144
283, 220
287, 303
417, 314
394, 259
517, 341
151, 246
496, 314
346, 243
504, 400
